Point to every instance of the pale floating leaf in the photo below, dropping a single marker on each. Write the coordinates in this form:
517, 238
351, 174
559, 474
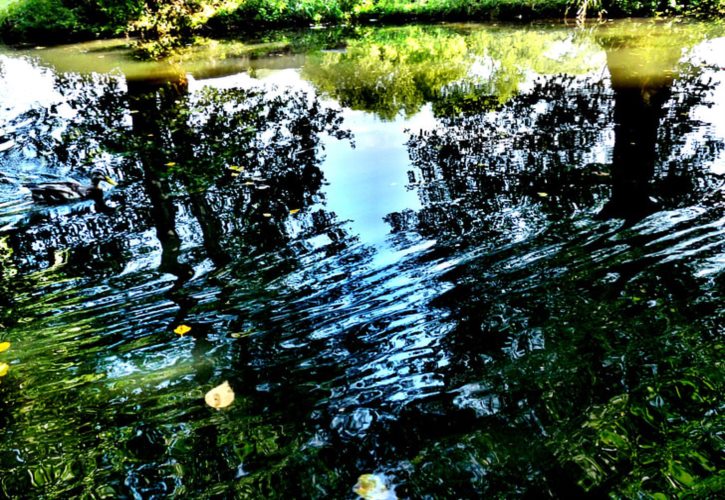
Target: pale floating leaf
4, 346
170, 164
372, 487
182, 330
294, 211
262, 187
236, 168
542, 194
267, 214
220, 397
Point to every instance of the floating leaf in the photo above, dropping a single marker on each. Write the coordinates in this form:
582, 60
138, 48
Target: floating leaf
4, 367
220, 397
294, 211
170, 164
262, 187
182, 329
372, 487
542, 194
236, 168
4, 346
267, 214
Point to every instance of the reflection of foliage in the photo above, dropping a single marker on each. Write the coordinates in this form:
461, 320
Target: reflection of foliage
391, 70
544, 154
679, 176
252, 156
610, 390
558, 319
538, 155
399, 70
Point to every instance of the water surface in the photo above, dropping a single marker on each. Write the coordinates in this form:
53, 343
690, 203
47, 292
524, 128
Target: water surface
475, 260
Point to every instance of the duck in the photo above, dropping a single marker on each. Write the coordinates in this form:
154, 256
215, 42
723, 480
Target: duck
56, 193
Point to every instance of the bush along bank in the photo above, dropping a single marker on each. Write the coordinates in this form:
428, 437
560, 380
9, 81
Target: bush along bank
160, 26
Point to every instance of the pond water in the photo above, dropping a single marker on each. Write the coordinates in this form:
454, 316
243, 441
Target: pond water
473, 260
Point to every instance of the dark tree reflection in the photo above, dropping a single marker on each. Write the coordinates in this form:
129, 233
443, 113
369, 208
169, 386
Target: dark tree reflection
220, 176
541, 200
545, 156
242, 161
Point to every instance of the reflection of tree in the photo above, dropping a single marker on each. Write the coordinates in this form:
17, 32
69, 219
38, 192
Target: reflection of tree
250, 156
218, 174
643, 69
390, 71
533, 161
569, 365
542, 157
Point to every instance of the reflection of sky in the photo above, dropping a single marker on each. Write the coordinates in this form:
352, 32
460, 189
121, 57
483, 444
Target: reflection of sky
28, 86
367, 182
713, 52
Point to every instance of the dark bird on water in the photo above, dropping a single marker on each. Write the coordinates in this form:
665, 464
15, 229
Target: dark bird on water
59, 192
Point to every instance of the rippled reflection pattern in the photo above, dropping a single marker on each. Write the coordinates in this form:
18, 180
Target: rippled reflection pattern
497, 277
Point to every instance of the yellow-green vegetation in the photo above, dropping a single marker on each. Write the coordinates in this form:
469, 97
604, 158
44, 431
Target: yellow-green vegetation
398, 70
163, 26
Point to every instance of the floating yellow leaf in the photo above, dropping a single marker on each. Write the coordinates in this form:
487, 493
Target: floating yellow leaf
249, 183
542, 194
170, 164
372, 487
294, 211
182, 329
220, 397
4, 367
267, 214
4, 346
236, 168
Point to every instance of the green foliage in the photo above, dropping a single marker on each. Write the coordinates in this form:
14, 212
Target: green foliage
295, 12
652, 7
35, 19
164, 26
61, 20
